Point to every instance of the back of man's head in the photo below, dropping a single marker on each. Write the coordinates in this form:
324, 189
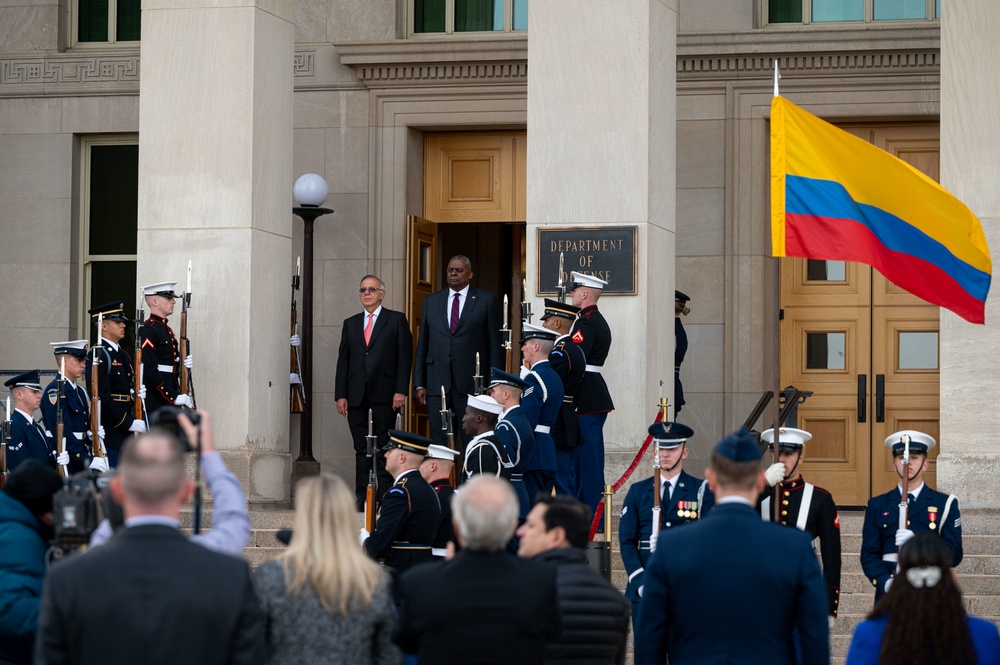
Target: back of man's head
485, 512
572, 516
151, 474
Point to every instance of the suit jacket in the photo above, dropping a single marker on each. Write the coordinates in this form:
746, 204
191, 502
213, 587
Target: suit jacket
382, 366
478, 608
27, 441
114, 384
449, 360
171, 601
733, 589
867, 641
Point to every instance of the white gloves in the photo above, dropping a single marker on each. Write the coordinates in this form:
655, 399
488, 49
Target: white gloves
137, 426
99, 464
142, 392
641, 587
888, 583
100, 432
524, 371
295, 340
830, 621
903, 535
63, 458
184, 400
774, 474
294, 378
188, 362
363, 535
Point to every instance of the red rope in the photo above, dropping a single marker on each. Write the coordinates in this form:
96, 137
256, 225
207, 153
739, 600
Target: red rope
625, 476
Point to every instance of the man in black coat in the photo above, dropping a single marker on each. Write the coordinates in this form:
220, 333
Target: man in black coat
483, 606
170, 601
457, 323
373, 372
593, 615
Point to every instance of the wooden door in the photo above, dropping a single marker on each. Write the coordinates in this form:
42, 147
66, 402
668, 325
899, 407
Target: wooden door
421, 280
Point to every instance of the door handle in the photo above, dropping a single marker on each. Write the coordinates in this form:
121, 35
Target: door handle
862, 398
880, 398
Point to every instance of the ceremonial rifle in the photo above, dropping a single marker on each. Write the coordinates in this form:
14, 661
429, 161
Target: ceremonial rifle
505, 332
904, 503
448, 425
664, 409
477, 379
60, 398
4, 443
95, 399
140, 404
561, 284
187, 381
525, 305
298, 393
371, 441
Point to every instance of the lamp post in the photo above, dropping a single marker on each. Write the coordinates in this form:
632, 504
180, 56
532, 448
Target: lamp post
310, 192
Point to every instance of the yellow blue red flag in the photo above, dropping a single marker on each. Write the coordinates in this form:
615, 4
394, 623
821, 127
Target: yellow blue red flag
837, 197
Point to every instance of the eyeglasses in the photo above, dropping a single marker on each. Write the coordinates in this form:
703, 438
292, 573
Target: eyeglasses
369, 289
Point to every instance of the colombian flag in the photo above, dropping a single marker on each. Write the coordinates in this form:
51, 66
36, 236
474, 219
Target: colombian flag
836, 197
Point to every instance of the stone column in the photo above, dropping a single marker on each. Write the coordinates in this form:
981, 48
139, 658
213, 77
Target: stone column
601, 152
969, 462
215, 183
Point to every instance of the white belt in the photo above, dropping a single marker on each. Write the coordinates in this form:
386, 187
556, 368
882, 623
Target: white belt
596, 369
892, 557
543, 429
439, 551
165, 368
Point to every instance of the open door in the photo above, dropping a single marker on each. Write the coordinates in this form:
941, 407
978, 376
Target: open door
421, 280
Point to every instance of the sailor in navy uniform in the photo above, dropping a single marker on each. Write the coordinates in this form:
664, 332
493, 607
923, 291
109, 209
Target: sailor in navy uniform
804, 506
683, 499
593, 400
569, 362
485, 454
115, 379
513, 430
927, 510
71, 358
680, 347
541, 403
27, 438
436, 470
410, 514
160, 354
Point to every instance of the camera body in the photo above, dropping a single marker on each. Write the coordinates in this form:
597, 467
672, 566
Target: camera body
166, 419
76, 512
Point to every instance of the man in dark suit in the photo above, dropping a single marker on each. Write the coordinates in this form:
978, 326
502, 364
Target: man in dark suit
150, 559
373, 372
457, 323
732, 588
483, 606
27, 437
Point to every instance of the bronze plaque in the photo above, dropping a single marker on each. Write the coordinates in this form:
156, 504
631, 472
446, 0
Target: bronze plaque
607, 252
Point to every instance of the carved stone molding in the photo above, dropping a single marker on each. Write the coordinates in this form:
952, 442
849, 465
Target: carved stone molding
304, 64
69, 70
383, 74
811, 63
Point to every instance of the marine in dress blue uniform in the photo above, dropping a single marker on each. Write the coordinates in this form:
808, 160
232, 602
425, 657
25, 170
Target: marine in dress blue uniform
687, 502
680, 347
541, 403
410, 514
436, 470
160, 353
569, 362
75, 404
27, 438
485, 453
928, 510
514, 431
592, 334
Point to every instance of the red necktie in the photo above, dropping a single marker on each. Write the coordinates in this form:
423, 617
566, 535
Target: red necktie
453, 325
368, 329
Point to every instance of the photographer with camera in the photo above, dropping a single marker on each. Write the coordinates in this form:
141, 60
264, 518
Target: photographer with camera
230, 530
25, 529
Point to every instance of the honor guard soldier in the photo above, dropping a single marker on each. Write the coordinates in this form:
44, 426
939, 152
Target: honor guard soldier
410, 514
541, 402
485, 454
513, 430
680, 347
927, 510
71, 359
683, 499
569, 362
804, 506
436, 470
27, 438
593, 401
160, 354
115, 379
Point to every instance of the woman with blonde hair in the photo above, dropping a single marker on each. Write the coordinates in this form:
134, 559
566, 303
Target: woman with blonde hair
324, 601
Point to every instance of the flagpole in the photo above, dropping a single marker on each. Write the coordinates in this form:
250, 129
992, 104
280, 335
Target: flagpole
776, 365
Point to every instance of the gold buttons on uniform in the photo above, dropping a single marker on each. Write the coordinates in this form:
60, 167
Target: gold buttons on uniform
785, 502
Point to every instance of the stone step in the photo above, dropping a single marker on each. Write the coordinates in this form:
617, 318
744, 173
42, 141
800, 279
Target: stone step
255, 556
972, 543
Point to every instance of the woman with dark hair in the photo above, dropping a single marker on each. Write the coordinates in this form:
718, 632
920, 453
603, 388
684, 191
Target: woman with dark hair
921, 620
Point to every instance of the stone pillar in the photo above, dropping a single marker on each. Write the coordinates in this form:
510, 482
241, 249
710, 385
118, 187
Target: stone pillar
969, 462
215, 185
601, 137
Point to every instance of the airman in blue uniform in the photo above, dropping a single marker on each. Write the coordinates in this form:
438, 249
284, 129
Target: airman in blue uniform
570, 363
541, 402
927, 510
683, 499
71, 359
27, 438
514, 431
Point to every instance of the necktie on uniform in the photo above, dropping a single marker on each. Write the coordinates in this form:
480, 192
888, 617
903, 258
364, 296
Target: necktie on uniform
368, 329
668, 491
910, 499
453, 323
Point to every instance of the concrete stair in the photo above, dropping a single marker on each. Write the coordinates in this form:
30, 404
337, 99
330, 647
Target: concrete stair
265, 521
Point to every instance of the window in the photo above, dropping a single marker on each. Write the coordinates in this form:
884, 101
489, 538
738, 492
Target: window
109, 208
106, 21
464, 16
840, 11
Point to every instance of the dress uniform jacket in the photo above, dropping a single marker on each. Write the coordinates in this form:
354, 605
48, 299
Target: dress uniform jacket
821, 520
76, 421
407, 523
689, 503
592, 334
446, 530
517, 437
570, 363
680, 350
486, 455
541, 402
160, 362
115, 379
27, 441
932, 511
